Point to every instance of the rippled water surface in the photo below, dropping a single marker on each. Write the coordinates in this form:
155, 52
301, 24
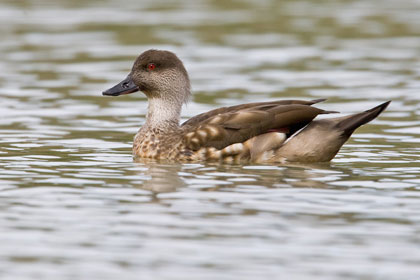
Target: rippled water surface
74, 205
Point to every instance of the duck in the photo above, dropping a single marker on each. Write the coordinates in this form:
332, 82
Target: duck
261, 132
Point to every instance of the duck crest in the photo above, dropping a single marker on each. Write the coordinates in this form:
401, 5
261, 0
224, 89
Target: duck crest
275, 131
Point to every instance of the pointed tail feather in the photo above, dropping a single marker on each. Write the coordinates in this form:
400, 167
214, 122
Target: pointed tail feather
321, 139
349, 124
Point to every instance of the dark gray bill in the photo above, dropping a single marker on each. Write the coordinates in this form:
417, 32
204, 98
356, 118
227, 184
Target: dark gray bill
124, 87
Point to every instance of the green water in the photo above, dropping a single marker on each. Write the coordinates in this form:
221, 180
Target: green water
74, 205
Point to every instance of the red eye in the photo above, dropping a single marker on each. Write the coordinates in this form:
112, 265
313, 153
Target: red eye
151, 66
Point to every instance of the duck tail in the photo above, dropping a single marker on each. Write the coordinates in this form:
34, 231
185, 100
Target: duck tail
350, 123
321, 139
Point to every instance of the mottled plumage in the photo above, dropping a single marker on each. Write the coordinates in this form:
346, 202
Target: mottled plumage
274, 131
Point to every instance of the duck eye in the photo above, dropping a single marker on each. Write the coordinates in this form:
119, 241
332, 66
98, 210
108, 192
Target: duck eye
151, 66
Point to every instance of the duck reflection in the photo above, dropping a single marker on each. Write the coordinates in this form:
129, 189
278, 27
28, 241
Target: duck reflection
160, 177
163, 177
292, 175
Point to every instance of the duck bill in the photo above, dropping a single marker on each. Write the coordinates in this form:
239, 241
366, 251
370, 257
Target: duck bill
126, 86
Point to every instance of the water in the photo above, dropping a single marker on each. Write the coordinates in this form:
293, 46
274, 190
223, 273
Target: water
74, 205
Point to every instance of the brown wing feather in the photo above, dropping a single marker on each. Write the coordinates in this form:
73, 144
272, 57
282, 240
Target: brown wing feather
231, 109
224, 129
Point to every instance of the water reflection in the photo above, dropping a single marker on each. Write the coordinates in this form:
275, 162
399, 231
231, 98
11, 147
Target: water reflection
160, 178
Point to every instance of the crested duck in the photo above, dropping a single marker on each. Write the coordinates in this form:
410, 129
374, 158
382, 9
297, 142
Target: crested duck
261, 132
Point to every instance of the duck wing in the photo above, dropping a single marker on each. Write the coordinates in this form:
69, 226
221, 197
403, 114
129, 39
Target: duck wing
231, 109
224, 126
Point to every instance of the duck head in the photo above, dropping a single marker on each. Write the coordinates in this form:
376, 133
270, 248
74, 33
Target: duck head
159, 75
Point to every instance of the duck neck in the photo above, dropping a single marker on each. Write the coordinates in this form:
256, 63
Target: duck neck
165, 105
163, 114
